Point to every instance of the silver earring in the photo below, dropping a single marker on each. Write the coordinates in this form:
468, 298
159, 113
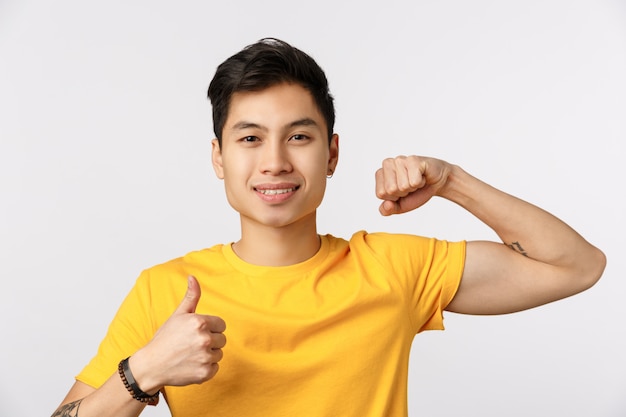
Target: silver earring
329, 176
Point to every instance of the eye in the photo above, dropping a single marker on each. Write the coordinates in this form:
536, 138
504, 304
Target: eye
299, 137
249, 139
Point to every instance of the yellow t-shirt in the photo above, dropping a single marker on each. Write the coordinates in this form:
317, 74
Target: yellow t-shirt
330, 336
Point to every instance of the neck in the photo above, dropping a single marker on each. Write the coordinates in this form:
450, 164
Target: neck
277, 246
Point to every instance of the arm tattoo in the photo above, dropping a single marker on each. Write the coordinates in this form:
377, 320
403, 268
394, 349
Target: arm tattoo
518, 248
68, 410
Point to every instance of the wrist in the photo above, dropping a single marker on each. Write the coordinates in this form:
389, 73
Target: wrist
455, 188
144, 379
132, 387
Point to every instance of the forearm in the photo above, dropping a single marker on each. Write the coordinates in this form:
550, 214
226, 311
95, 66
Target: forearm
111, 399
524, 227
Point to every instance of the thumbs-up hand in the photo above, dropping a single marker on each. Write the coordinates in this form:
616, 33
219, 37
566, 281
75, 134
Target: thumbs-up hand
185, 350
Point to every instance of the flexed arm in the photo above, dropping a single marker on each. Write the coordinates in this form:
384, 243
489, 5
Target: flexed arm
541, 259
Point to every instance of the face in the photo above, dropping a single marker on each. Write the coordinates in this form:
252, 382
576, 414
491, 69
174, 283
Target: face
275, 156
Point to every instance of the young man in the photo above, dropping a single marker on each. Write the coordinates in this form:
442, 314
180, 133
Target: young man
317, 325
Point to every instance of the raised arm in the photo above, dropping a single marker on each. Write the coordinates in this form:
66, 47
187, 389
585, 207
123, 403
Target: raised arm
185, 350
541, 259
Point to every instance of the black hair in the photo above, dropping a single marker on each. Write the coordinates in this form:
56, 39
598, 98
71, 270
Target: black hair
264, 64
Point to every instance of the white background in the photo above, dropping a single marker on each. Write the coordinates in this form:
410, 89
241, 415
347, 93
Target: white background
105, 170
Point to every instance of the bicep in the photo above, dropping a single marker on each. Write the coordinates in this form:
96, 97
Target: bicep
498, 280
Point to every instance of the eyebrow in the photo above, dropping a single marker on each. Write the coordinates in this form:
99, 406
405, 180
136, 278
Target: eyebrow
306, 121
247, 125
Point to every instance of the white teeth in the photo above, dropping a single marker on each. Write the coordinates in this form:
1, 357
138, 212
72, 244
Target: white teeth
275, 192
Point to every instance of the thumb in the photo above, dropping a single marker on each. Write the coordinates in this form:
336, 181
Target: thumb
192, 296
407, 203
389, 207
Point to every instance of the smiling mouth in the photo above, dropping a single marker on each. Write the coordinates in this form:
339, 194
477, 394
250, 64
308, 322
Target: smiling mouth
276, 191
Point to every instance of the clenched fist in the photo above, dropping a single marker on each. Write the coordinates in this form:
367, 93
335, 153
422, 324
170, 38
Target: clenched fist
407, 182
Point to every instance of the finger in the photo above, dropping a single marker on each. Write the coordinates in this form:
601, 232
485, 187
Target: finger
216, 355
386, 183
192, 296
402, 182
218, 341
213, 369
380, 184
409, 175
391, 178
216, 324
415, 168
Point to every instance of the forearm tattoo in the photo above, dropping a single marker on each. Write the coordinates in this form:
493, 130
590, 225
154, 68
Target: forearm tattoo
517, 248
68, 410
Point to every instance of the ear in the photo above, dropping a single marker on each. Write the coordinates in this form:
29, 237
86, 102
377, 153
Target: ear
333, 153
216, 158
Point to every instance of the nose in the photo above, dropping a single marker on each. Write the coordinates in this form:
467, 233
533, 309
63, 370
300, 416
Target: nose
275, 159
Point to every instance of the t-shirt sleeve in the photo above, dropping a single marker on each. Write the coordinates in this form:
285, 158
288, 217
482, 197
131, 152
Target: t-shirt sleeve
132, 328
428, 270
436, 283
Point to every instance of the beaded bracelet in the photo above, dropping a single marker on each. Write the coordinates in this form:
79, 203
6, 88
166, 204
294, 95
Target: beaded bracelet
132, 387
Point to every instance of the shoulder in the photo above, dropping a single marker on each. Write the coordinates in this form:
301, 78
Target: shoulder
393, 241
400, 247
191, 263
379, 244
